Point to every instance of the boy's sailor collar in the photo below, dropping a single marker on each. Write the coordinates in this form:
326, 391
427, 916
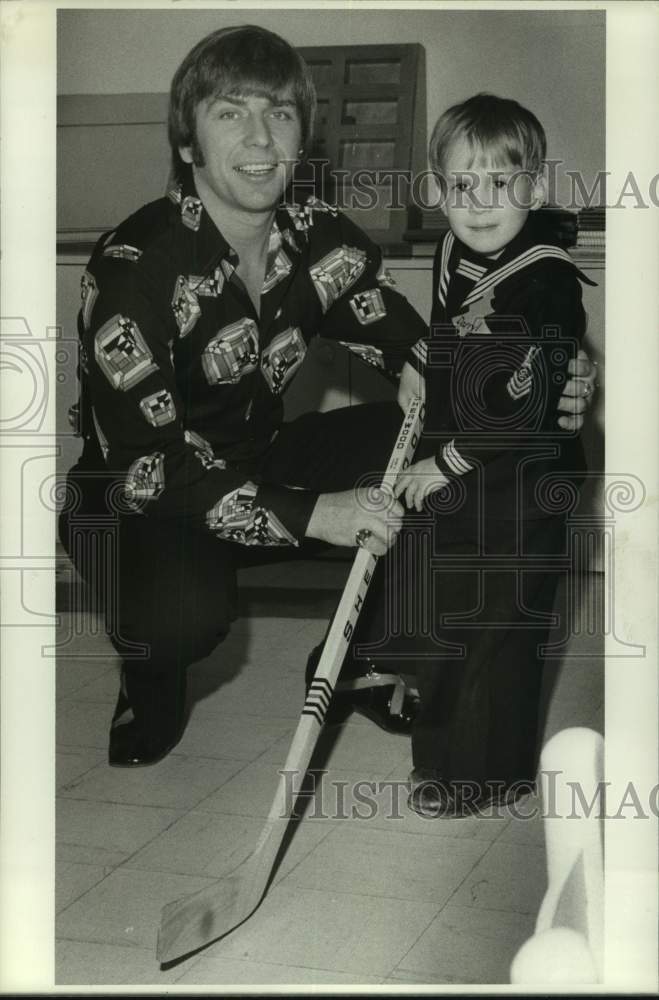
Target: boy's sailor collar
527, 248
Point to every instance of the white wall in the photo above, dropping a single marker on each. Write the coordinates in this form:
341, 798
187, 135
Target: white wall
552, 61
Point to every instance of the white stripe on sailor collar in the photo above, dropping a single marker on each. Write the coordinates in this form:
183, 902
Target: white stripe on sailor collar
470, 270
530, 256
442, 284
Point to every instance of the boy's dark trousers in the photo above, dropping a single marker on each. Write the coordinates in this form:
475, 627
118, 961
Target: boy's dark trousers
468, 612
168, 586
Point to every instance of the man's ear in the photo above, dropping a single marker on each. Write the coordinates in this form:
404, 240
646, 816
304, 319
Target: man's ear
539, 192
185, 152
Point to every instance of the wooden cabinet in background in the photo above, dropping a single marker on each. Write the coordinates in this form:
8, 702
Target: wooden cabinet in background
370, 135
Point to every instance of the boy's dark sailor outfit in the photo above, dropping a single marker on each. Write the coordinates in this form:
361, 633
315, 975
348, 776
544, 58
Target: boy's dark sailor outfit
495, 361
181, 412
475, 570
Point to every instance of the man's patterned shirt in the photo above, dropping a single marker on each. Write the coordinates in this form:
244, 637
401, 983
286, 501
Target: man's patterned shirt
183, 381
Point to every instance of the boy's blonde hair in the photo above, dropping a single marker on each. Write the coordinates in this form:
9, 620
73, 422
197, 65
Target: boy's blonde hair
501, 127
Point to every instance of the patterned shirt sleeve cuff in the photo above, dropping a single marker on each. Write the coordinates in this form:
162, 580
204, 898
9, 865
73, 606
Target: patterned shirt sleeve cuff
261, 515
291, 507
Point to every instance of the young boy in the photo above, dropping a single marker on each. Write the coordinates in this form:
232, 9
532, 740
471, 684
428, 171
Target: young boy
492, 471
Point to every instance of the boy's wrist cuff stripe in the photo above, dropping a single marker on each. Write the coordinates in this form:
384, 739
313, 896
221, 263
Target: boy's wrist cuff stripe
420, 351
453, 460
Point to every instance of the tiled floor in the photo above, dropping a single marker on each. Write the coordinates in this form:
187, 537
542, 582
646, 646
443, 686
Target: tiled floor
366, 894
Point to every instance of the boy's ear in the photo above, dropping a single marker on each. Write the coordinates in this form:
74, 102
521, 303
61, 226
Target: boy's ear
185, 152
539, 192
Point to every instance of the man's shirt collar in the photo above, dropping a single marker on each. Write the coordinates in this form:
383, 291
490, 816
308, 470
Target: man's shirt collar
211, 245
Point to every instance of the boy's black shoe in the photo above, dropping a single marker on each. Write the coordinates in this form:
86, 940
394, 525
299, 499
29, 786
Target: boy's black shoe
385, 699
430, 797
503, 795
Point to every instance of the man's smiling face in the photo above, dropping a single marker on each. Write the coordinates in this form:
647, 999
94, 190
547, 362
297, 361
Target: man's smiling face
246, 147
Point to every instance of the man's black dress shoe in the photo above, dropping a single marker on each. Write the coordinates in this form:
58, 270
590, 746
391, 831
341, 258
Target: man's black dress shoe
131, 747
385, 699
122, 712
142, 731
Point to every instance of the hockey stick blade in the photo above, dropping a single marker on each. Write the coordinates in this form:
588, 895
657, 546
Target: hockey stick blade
188, 925
193, 922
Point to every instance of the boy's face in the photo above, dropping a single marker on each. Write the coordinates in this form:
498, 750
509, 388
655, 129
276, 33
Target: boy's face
487, 203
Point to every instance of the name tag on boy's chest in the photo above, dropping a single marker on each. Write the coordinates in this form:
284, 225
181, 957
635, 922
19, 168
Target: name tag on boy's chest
472, 321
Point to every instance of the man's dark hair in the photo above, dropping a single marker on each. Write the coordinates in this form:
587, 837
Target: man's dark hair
240, 60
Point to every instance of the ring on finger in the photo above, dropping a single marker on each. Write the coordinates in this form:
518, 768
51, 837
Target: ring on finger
362, 536
587, 389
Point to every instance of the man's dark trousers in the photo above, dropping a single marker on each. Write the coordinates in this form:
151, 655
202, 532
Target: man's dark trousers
168, 585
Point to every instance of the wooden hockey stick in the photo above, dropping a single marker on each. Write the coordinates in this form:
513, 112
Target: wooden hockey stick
191, 923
